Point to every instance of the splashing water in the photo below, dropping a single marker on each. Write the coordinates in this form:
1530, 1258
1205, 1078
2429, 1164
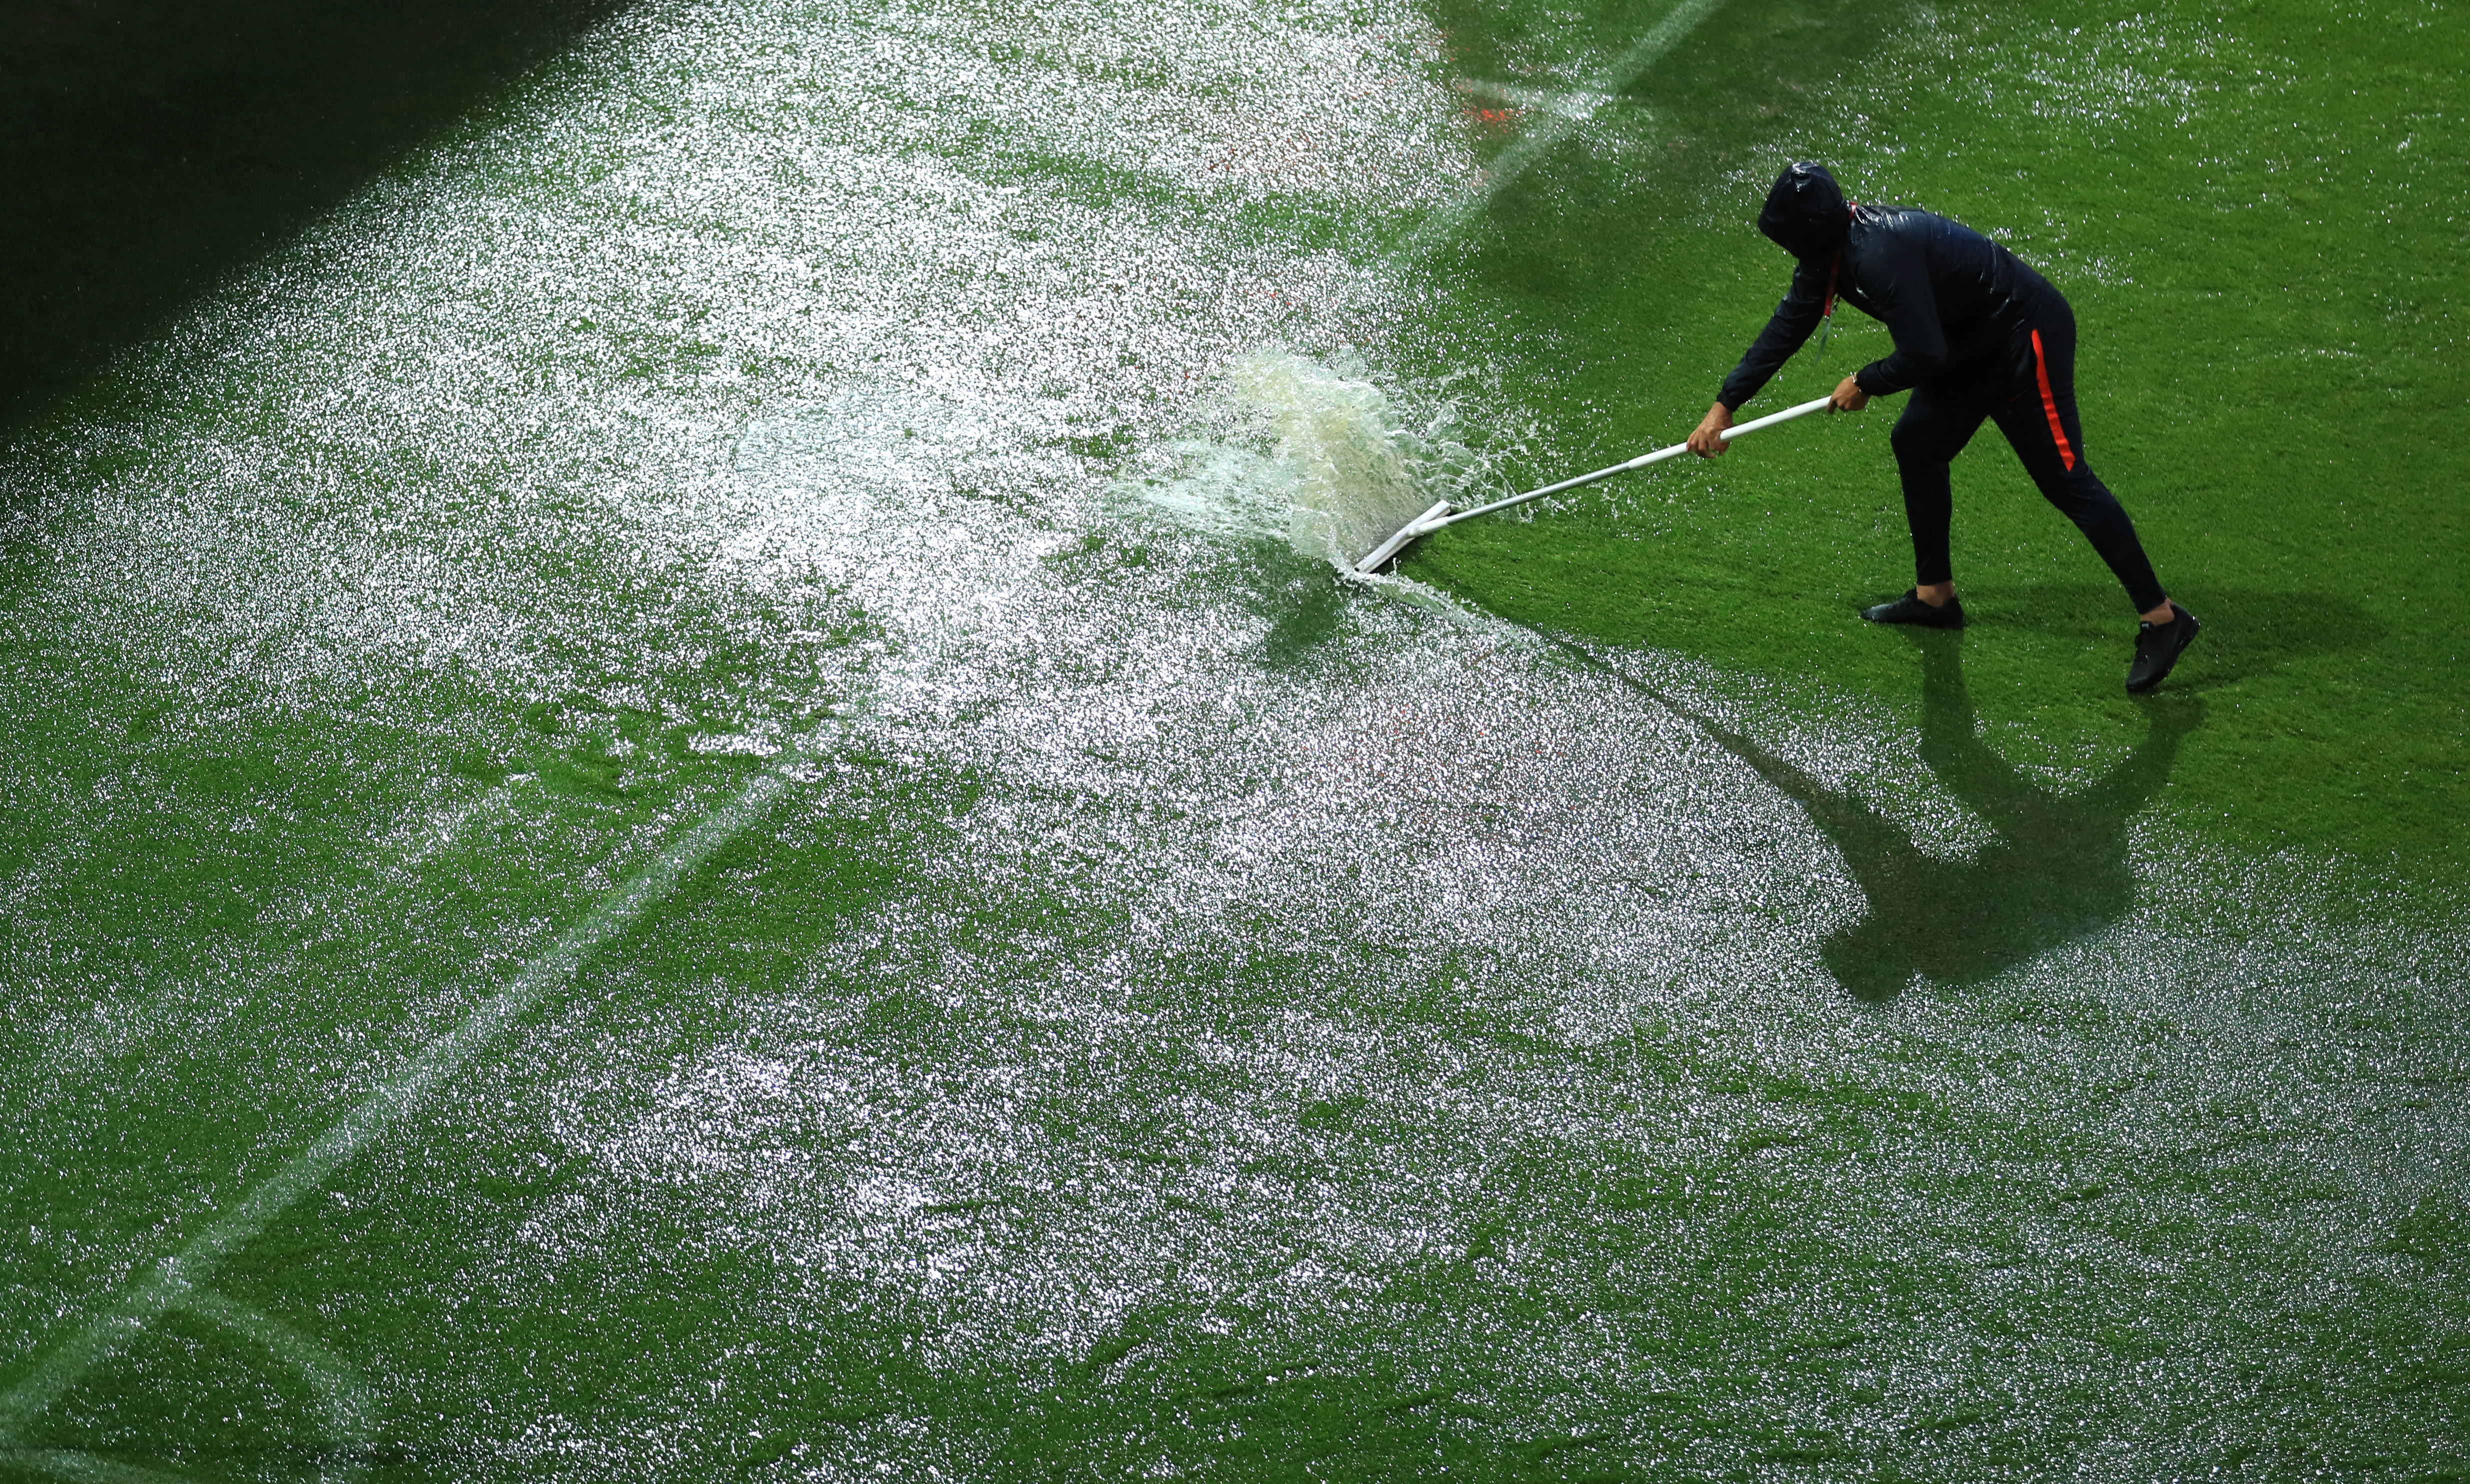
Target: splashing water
1319, 454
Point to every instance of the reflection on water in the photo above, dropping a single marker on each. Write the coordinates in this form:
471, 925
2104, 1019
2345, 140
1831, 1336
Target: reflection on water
2057, 871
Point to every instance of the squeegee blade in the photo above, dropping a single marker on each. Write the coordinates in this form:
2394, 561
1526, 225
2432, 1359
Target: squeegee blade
1398, 543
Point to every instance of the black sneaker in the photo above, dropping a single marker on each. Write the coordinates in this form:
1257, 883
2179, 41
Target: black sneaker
2159, 646
1910, 609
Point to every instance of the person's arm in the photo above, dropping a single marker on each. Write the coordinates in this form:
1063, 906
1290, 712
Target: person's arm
1899, 283
1791, 324
1786, 329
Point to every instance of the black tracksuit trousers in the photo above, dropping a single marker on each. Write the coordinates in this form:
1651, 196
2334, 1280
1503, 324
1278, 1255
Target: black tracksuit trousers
2039, 418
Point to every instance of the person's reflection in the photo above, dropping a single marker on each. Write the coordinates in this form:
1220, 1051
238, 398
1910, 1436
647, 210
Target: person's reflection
2057, 871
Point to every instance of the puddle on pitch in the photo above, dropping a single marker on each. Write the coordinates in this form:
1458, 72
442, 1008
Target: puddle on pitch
1416, 1033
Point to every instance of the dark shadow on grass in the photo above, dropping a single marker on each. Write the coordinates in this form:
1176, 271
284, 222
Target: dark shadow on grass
2057, 871
149, 148
2248, 632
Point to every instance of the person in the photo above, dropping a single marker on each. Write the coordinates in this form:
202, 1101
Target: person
1978, 336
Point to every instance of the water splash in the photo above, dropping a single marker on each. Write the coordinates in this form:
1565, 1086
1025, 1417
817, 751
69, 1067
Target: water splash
1319, 455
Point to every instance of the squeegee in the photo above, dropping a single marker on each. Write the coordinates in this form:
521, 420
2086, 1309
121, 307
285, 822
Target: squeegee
1444, 514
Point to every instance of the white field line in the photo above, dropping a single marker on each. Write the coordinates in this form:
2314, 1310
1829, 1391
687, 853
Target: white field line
179, 1280
1555, 126
40, 1078
349, 1406
1543, 99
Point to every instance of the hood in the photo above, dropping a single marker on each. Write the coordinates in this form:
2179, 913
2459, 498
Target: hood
1806, 215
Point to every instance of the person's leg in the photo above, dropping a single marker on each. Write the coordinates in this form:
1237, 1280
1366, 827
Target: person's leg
2040, 424
1935, 426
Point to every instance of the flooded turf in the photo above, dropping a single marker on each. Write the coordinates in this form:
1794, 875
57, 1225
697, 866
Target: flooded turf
689, 797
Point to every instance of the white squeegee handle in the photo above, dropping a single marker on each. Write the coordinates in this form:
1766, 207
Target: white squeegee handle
1439, 516
1640, 462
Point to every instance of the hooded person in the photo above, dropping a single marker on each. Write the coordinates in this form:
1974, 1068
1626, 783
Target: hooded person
1806, 213
1978, 337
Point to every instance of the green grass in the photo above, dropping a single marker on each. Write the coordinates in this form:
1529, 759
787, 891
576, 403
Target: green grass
960, 1114
2250, 210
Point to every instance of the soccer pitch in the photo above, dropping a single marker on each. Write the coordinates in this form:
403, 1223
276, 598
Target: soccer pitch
689, 796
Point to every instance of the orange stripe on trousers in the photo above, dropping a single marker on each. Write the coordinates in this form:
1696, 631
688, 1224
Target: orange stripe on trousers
2050, 406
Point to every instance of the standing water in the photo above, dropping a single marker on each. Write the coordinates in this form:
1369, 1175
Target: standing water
714, 810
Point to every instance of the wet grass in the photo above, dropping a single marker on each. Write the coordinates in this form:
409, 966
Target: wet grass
2245, 208
1760, 1294
882, 1142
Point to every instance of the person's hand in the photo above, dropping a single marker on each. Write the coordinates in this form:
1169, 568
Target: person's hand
1849, 397
1707, 440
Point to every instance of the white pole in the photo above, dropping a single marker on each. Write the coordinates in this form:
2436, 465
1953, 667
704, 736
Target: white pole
1439, 515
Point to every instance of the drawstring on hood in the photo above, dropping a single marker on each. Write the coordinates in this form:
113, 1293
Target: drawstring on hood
1826, 316
1807, 216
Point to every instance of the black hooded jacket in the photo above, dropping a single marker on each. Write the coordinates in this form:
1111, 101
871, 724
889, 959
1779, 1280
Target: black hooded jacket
1958, 304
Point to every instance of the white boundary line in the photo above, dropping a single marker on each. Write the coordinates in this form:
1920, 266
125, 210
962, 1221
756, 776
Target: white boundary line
179, 1279
1547, 136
